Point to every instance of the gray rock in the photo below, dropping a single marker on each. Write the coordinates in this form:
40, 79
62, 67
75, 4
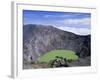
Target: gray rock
39, 39
81, 62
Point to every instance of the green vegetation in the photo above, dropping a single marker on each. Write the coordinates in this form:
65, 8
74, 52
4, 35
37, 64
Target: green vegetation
69, 55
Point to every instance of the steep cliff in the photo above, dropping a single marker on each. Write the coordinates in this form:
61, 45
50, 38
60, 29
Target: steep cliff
39, 39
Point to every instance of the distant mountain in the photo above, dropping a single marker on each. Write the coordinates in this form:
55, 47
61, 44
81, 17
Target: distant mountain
39, 39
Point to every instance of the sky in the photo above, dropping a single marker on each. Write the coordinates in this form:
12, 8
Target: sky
79, 23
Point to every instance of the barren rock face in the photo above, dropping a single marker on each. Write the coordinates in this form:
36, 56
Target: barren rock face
39, 39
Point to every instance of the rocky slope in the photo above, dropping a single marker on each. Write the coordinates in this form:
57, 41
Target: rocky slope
39, 39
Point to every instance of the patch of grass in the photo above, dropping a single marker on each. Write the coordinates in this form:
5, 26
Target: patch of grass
68, 54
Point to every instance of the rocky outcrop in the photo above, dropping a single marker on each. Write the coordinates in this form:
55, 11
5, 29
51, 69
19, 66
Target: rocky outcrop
39, 39
81, 62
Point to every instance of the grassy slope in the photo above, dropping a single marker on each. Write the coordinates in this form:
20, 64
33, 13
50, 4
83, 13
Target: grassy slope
62, 53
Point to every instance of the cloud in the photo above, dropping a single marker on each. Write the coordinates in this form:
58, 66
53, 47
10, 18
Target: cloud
76, 22
59, 16
85, 21
79, 31
80, 26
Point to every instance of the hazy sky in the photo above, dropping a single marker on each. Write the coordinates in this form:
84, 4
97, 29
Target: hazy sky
73, 21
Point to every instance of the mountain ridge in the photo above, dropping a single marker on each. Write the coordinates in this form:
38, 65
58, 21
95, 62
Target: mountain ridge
58, 28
